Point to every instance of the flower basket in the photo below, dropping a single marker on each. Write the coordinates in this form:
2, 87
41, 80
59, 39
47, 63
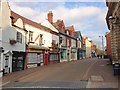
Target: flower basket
12, 42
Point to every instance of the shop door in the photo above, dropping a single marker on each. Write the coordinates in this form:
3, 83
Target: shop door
18, 62
68, 56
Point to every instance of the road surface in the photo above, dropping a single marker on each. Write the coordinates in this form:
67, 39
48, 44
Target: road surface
90, 73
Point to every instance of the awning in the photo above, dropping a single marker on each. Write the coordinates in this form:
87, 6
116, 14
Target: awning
38, 47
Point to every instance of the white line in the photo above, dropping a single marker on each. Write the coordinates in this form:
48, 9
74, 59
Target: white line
86, 73
4, 83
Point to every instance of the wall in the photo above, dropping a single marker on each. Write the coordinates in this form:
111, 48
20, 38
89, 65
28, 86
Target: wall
79, 44
56, 38
46, 23
108, 43
73, 43
63, 40
0, 25
47, 37
10, 32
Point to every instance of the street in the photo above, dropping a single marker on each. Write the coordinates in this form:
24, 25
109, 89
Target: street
90, 73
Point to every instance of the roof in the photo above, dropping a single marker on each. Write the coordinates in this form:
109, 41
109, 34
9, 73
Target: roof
15, 16
57, 23
78, 34
71, 28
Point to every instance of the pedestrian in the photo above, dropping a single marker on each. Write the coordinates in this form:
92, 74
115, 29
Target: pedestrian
98, 56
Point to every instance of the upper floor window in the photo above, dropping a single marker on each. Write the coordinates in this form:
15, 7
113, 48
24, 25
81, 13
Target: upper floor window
19, 37
41, 39
67, 32
30, 36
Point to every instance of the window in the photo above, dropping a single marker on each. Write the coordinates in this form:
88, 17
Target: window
60, 40
30, 36
53, 56
67, 32
41, 39
19, 37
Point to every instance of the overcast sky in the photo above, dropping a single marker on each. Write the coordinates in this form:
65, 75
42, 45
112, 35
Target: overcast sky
87, 17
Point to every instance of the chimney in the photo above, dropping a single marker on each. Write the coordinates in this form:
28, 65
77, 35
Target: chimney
50, 17
86, 37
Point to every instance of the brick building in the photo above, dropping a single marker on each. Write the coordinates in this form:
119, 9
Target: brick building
108, 44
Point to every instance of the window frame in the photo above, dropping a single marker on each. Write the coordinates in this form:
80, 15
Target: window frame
30, 36
19, 37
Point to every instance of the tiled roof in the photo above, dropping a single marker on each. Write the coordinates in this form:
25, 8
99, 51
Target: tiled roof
71, 28
15, 16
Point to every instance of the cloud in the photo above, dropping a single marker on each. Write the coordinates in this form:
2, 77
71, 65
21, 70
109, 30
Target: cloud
90, 20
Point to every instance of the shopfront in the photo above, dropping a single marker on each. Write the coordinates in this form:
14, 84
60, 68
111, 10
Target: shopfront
73, 54
79, 54
18, 61
35, 59
63, 54
36, 56
54, 57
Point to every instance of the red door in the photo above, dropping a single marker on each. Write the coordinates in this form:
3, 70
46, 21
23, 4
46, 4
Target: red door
45, 58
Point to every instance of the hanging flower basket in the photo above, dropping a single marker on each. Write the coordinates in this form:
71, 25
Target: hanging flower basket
12, 42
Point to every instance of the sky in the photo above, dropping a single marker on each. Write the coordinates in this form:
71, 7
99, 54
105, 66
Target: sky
87, 17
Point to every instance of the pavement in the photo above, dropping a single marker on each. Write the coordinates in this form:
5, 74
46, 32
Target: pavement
90, 73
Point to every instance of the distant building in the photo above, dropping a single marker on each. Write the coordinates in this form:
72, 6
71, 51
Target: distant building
83, 44
73, 46
80, 49
88, 44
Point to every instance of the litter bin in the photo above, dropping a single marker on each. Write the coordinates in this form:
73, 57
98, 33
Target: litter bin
116, 69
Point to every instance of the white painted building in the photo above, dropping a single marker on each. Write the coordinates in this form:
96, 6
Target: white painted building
12, 38
54, 54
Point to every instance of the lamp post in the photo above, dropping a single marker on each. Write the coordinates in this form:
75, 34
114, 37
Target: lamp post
102, 44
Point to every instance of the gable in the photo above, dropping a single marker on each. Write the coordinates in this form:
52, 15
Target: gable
47, 24
19, 23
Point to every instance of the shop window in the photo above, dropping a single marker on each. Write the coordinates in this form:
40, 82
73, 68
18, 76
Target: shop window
54, 56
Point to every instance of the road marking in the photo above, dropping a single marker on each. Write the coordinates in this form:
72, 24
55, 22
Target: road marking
97, 78
4, 83
86, 73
